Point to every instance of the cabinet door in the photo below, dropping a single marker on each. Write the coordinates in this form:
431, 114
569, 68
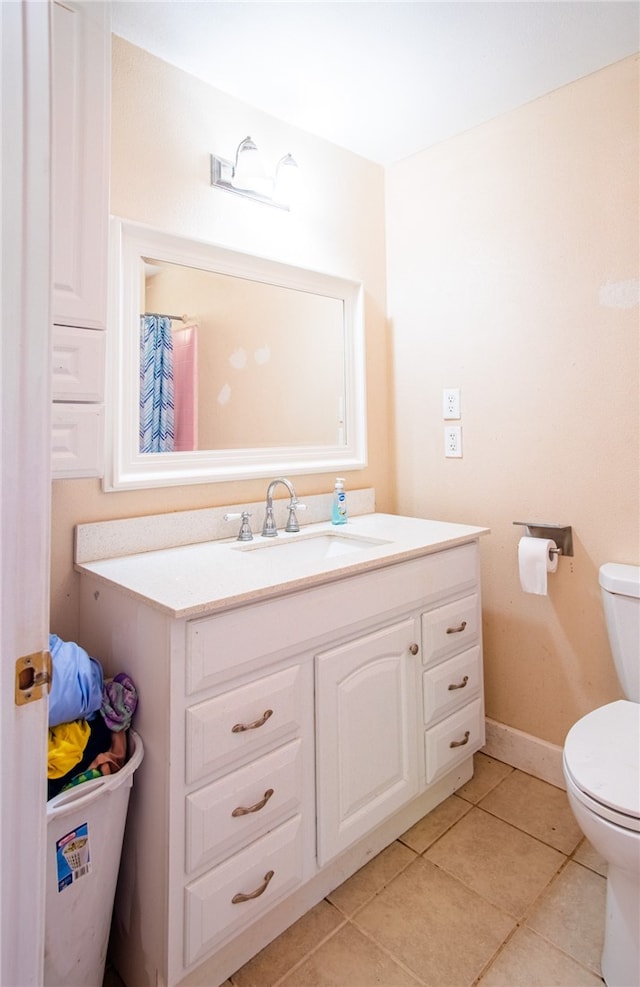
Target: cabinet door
78, 364
81, 54
366, 714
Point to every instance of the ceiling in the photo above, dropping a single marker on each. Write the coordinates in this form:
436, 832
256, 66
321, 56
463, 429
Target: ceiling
384, 80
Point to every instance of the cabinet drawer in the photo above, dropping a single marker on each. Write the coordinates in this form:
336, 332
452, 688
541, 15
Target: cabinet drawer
238, 641
237, 724
78, 364
449, 629
211, 916
453, 740
77, 439
215, 826
451, 684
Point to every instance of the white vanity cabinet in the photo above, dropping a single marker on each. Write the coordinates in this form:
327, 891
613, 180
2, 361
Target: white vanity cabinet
287, 741
81, 81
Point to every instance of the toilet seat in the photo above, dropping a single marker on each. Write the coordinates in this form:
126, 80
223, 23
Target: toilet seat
602, 760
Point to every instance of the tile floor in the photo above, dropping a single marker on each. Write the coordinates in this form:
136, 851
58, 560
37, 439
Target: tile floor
496, 888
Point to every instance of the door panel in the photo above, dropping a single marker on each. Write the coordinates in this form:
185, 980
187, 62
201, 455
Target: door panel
24, 479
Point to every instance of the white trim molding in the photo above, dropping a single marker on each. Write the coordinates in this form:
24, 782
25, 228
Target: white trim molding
522, 750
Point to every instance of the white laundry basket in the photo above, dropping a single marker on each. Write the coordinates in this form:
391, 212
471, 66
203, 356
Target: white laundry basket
85, 828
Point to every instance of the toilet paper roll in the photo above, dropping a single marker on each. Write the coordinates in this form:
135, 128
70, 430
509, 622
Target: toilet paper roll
535, 560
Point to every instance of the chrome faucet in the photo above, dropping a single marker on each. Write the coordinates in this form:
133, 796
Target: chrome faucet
269, 529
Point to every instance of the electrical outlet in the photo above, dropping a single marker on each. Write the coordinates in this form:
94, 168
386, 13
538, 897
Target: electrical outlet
451, 403
453, 441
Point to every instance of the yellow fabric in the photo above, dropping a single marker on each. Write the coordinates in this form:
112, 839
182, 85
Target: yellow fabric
66, 747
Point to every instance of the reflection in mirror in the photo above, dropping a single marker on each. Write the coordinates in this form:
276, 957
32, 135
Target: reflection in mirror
247, 344
267, 365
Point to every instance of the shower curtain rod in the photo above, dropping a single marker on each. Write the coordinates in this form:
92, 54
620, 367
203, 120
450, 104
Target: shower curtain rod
162, 315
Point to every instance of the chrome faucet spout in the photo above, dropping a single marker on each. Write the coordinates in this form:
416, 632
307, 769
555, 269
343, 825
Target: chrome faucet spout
269, 528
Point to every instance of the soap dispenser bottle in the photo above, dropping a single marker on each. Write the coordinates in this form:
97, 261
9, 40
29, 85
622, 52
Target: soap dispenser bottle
339, 507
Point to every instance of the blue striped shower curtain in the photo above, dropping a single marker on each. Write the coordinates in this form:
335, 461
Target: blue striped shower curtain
156, 384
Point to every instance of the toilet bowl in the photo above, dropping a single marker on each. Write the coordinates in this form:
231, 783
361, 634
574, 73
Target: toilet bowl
601, 764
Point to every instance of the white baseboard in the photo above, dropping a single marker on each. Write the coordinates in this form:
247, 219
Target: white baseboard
522, 750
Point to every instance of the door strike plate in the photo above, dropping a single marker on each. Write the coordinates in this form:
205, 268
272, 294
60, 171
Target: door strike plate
33, 672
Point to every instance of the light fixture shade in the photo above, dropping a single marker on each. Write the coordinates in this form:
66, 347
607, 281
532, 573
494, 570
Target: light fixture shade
246, 176
286, 181
249, 172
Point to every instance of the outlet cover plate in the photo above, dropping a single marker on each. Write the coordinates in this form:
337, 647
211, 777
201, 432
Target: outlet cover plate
453, 441
451, 403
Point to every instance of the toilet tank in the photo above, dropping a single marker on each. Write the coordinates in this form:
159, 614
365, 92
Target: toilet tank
620, 586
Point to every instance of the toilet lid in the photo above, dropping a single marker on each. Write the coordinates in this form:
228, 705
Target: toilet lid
602, 753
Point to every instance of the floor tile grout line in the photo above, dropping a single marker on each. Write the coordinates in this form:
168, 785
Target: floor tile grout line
527, 832
489, 790
421, 853
559, 949
392, 956
533, 905
378, 891
474, 891
444, 868
497, 953
588, 867
536, 903
310, 952
548, 942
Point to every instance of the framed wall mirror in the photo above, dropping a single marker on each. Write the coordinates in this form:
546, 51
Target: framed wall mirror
226, 366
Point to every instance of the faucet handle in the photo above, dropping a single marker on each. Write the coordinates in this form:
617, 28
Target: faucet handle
245, 533
292, 522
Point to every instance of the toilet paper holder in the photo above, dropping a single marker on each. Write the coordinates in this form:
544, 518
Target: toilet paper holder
561, 534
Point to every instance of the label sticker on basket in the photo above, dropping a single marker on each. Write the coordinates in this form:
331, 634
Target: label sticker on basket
73, 857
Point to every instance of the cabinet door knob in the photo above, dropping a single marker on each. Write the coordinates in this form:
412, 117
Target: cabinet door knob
458, 629
239, 727
459, 685
240, 897
242, 811
461, 743
414, 649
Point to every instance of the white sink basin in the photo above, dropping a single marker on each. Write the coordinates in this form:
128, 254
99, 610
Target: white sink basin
309, 548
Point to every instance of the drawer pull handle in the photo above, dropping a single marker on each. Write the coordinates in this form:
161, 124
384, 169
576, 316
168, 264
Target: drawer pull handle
461, 743
458, 629
414, 649
459, 685
242, 811
239, 727
240, 897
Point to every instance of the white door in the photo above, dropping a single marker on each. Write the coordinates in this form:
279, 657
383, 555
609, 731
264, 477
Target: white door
366, 719
24, 478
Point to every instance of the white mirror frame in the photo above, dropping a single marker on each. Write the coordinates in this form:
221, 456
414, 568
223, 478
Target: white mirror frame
126, 467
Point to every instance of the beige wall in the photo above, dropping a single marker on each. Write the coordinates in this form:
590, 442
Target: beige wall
512, 273
165, 124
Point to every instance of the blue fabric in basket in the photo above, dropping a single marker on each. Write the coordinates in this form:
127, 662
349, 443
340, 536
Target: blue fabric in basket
76, 688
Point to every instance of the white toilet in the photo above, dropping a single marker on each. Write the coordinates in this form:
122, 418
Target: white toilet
602, 770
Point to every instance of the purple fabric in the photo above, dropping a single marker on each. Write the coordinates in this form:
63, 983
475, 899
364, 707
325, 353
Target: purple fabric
119, 701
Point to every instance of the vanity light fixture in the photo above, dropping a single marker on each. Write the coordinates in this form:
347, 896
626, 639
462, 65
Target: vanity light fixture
246, 176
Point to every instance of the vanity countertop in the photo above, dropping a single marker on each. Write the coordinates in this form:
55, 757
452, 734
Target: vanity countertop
192, 580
